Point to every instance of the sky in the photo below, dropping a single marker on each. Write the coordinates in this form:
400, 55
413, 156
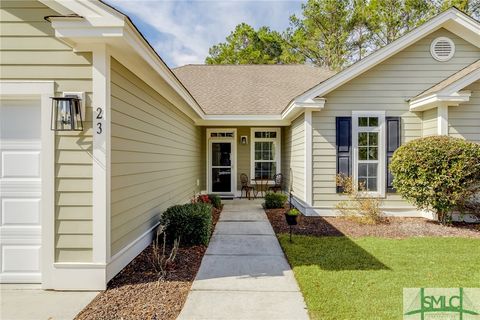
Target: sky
182, 31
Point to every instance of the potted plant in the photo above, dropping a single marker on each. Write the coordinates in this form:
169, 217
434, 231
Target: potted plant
292, 216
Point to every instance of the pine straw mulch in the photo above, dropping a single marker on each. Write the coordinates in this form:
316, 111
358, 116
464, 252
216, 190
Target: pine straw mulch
136, 292
392, 227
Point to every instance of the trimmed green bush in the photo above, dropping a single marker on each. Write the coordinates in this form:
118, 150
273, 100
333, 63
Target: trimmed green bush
275, 200
437, 173
190, 222
215, 200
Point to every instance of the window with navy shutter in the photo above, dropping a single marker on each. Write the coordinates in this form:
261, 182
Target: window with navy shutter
393, 142
344, 147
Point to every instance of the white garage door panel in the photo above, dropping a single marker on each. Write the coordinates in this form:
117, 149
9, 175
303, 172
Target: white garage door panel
20, 211
20, 191
20, 164
20, 258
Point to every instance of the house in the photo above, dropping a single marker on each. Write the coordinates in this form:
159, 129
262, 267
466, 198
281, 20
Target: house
77, 206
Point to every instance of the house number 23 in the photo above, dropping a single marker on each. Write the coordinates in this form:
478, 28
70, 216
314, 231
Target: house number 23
99, 123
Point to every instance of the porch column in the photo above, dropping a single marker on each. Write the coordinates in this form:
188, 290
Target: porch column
442, 120
308, 157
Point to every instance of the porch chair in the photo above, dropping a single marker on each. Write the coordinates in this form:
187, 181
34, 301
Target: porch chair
245, 186
278, 180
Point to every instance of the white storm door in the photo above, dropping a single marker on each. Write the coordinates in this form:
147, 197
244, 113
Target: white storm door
221, 166
20, 191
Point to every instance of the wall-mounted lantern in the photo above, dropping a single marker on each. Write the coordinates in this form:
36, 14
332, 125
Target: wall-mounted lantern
66, 114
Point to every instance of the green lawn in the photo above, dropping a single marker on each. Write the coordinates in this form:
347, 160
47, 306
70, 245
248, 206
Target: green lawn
344, 278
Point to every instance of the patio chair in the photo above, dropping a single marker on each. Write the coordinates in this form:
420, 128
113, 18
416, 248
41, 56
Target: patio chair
245, 186
278, 180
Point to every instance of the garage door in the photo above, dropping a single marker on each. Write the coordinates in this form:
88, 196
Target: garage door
20, 191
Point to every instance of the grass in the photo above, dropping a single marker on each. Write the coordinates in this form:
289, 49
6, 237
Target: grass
343, 278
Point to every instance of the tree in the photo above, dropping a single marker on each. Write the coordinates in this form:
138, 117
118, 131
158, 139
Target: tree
321, 36
333, 33
437, 173
245, 45
390, 19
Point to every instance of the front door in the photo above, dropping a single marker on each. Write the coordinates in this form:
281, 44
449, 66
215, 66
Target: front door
221, 167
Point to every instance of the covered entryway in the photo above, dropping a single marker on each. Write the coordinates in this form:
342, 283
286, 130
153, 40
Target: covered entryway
20, 190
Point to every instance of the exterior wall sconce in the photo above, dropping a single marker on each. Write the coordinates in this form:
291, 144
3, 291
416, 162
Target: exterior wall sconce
66, 114
244, 140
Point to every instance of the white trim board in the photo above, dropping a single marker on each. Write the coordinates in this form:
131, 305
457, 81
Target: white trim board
308, 157
101, 154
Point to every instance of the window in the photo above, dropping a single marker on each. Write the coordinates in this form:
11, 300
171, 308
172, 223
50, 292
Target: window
222, 134
368, 148
265, 153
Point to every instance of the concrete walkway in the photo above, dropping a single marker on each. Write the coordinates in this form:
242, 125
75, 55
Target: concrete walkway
29, 302
244, 273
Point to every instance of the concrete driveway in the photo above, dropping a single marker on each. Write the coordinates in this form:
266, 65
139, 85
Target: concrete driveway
29, 302
244, 273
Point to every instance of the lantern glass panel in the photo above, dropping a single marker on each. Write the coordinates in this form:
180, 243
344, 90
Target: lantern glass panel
66, 114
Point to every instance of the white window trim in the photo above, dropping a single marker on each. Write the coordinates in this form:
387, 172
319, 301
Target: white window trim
381, 148
278, 147
233, 157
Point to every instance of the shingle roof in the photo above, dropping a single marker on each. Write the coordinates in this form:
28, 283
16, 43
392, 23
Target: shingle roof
450, 80
248, 89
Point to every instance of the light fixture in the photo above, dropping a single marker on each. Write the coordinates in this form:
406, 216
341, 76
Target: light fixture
66, 114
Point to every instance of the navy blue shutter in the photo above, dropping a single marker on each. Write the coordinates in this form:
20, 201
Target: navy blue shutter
393, 142
344, 147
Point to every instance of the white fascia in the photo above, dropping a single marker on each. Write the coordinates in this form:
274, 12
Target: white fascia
433, 100
452, 19
297, 107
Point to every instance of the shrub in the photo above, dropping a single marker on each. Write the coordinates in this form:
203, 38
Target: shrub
360, 206
293, 212
203, 198
275, 200
215, 200
437, 173
191, 223
160, 258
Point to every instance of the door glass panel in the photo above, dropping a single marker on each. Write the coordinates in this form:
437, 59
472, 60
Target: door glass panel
221, 179
221, 154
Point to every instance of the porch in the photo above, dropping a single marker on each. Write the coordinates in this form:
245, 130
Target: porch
256, 153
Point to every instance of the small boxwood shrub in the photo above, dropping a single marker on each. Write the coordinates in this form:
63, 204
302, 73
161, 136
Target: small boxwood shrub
215, 200
191, 223
275, 200
437, 173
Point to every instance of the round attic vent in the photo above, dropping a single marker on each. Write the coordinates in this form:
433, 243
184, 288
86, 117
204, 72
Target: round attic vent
442, 49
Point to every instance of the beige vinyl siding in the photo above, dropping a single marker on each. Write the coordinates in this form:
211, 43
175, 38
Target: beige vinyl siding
464, 120
294, 156
155, 157
29, 51
429, 123
385, 87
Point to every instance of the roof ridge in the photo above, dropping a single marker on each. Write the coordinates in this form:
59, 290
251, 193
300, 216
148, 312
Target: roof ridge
252, 65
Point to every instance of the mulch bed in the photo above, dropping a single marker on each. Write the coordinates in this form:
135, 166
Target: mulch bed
393, 227
137, 293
